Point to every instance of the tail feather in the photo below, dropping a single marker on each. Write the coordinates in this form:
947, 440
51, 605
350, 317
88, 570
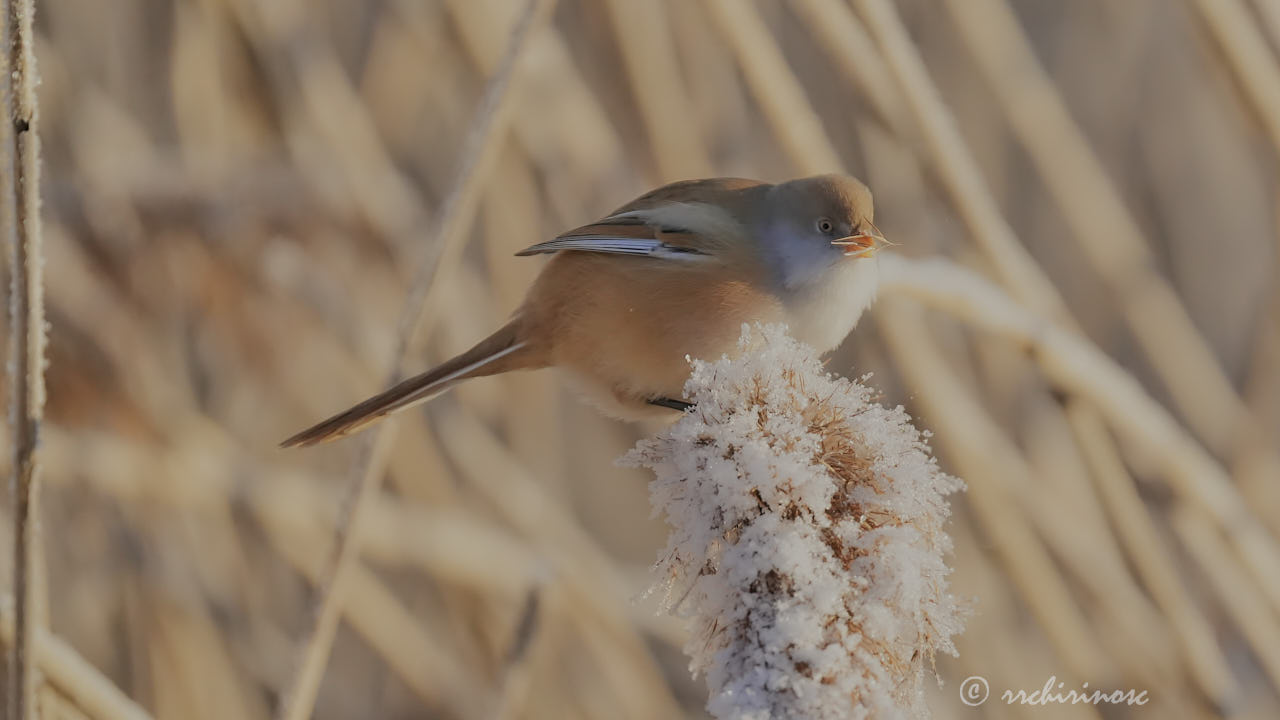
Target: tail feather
498, 353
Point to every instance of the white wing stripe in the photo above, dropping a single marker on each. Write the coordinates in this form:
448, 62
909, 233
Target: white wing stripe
617, 245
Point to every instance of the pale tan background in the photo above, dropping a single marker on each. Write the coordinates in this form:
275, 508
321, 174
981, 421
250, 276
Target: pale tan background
236, 196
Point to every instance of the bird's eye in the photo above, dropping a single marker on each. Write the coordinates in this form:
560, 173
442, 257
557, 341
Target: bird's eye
825, 226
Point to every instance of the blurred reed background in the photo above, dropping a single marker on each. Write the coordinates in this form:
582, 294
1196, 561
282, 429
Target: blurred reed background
238, 194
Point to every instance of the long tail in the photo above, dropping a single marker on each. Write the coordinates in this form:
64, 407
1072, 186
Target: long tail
500, 352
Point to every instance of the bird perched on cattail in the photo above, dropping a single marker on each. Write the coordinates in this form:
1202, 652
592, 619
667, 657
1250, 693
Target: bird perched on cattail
674, 273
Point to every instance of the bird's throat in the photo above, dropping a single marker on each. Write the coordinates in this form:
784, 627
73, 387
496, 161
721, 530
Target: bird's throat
822, 312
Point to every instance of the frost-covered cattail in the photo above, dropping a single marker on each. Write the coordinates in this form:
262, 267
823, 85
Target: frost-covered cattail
806, 541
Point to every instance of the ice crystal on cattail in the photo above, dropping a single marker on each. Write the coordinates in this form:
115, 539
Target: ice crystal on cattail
806, 540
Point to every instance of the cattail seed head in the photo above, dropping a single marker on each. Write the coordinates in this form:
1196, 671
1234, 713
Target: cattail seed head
806, 540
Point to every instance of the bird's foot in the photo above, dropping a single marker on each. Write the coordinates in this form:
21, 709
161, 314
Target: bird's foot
667, 402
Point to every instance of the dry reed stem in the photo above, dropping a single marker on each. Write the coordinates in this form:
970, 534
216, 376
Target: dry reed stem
981, 452
1256, 622
1139, 641
193, 674
327, 129
1075, 365
1151, 561
649, 55
99, 305
1262, 384
513, 215
478, 154
722, 102
1270, 13
460, 549
777, 90
563, 125
846, 40
341, 565
381, 619
588, 575
1105, 229
1246, 51
71, 674
955, 164
990, 642
334, 108
93, 300
514, 675
20, 221
1058, 495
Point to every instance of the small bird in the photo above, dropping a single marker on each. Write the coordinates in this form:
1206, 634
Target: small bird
673, 274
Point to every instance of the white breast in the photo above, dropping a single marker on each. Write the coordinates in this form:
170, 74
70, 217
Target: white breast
822, 313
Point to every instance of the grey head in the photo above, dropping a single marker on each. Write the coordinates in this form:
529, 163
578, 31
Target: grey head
807, 226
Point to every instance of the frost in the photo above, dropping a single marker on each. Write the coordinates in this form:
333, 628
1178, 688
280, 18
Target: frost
806, 540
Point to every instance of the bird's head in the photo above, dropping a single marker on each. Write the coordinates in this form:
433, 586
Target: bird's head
810, 225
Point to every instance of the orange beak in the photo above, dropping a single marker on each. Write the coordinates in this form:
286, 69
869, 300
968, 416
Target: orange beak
862, 245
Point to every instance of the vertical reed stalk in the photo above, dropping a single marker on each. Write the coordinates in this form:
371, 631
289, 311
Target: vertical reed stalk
20, 220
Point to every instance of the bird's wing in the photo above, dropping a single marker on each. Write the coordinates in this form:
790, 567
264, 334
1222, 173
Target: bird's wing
626, 235
687, 221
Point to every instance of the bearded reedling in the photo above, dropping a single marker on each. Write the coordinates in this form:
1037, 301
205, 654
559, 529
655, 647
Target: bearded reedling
672, 274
